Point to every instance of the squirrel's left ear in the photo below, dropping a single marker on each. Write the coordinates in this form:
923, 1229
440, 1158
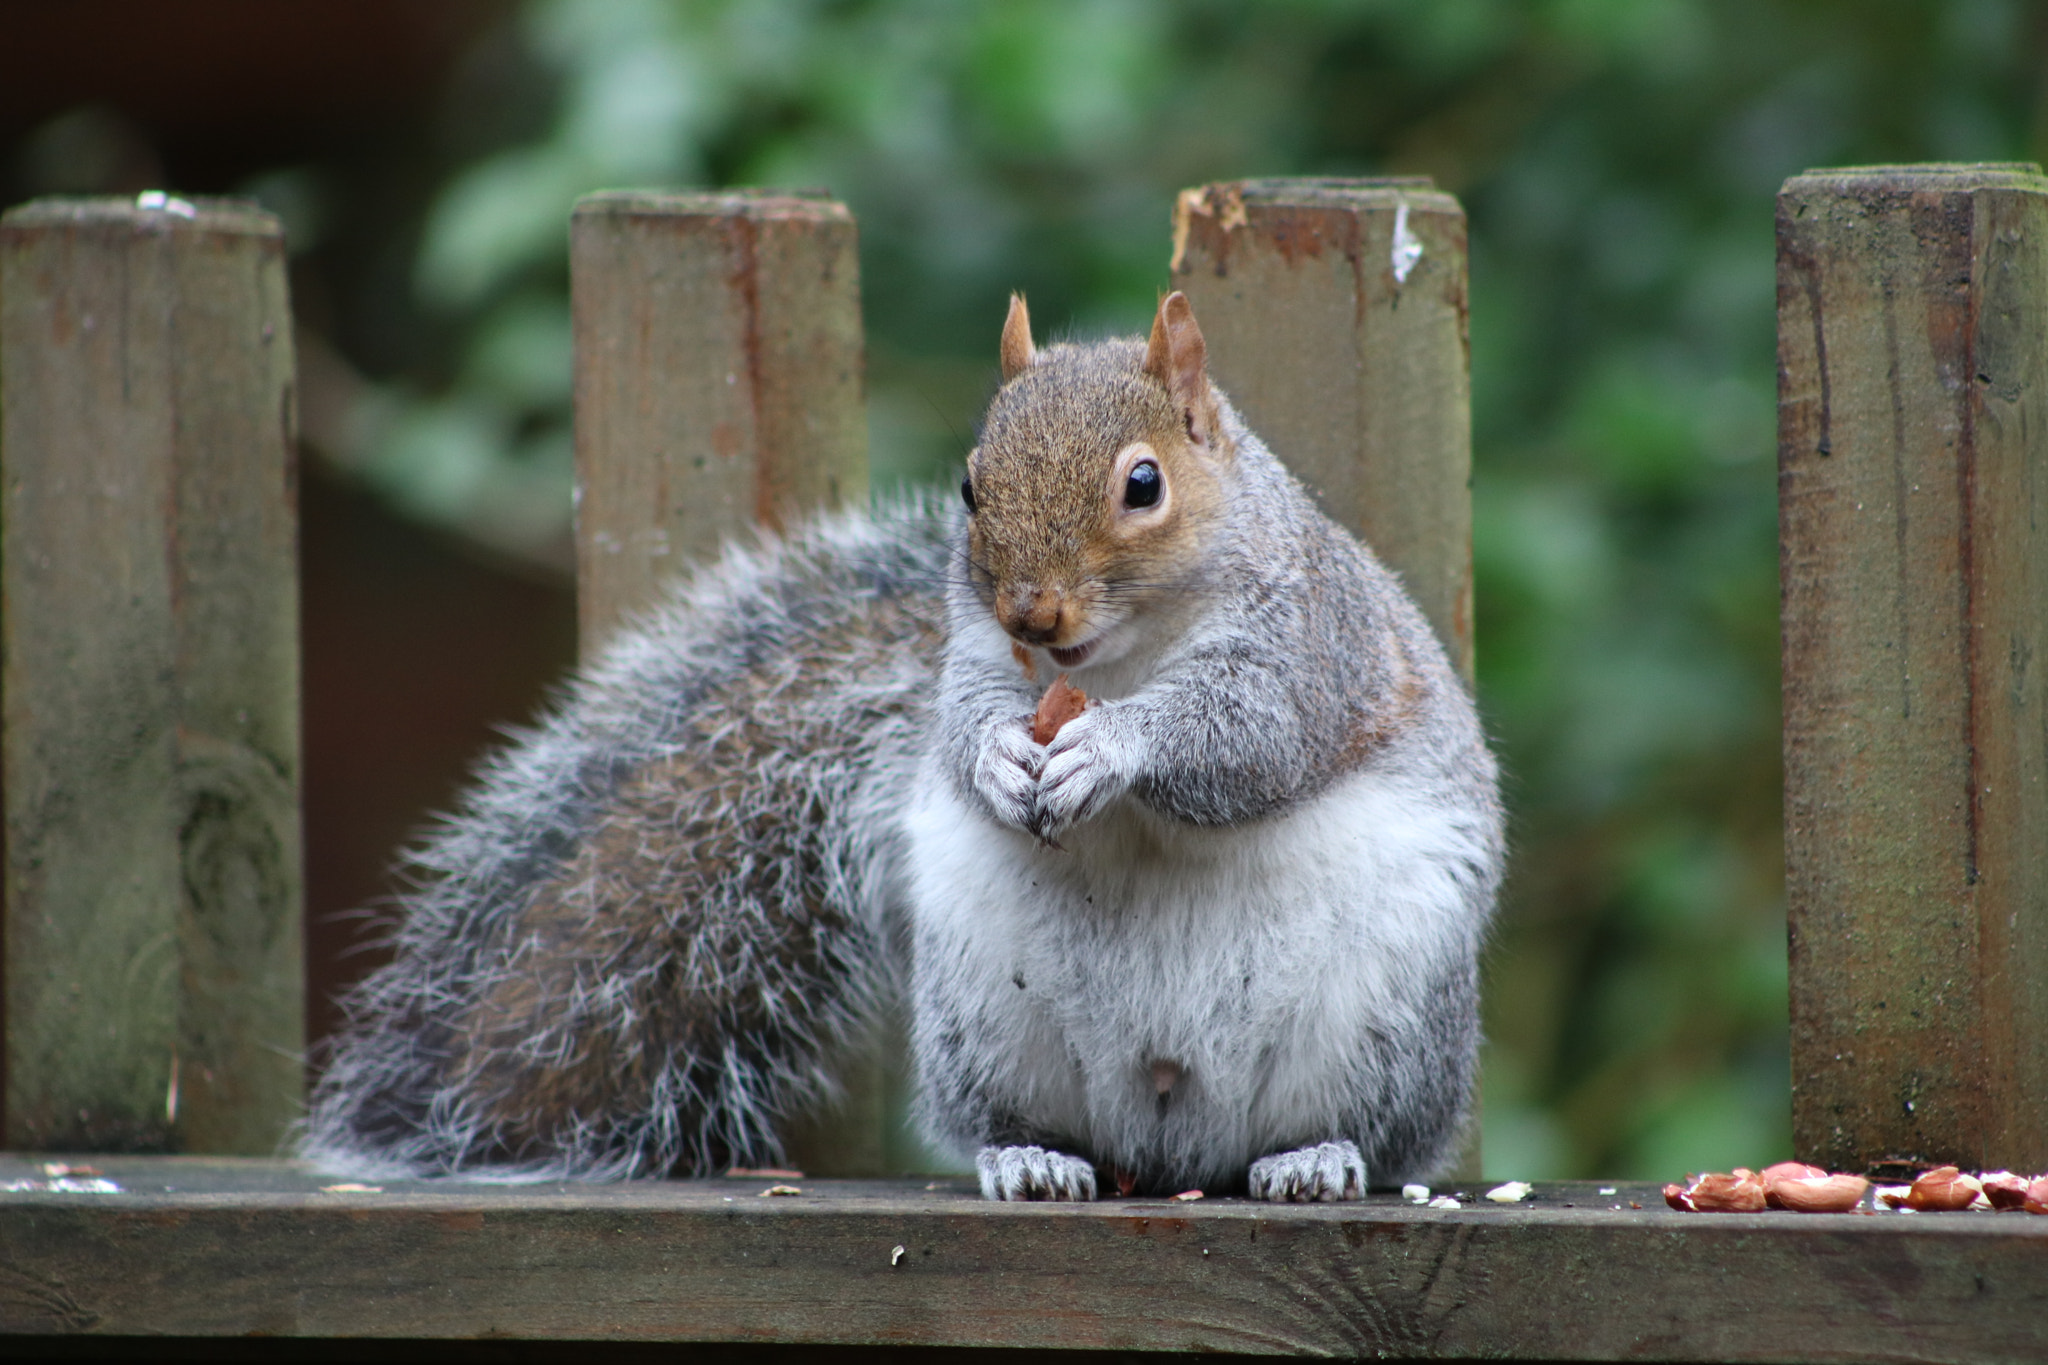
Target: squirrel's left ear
1018, 353
1177, 357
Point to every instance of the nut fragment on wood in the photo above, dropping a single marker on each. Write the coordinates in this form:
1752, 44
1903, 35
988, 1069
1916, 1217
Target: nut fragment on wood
1945, 1189
1802, 1188
1187, 1196
2003, 1190
1788, 1170
1740, 1192
1819, 1194
63, 1184
1060, 704
780, 1189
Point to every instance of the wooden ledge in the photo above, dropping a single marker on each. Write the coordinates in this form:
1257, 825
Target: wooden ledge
197, 1247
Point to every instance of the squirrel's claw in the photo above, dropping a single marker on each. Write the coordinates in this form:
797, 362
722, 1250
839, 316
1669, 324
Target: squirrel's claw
1324, 1173
1034, 1173
1006, 775
1087, 766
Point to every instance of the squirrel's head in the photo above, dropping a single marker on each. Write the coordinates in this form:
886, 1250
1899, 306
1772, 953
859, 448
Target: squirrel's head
1097, 481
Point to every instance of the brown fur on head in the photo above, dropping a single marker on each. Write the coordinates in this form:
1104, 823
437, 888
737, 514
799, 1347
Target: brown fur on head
1058, 549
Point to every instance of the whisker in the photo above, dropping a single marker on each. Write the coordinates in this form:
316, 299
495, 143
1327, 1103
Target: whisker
940, 413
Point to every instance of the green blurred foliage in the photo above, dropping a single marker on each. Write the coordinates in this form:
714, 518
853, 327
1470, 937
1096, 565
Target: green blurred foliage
1618, 160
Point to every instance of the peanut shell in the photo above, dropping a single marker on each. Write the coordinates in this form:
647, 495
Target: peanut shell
1942, 1190
1740, 1192
1819, 1194
2005, 1191
1785, 1170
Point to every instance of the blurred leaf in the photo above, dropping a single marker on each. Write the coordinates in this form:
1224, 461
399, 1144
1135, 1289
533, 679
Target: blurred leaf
520, 353
498, 217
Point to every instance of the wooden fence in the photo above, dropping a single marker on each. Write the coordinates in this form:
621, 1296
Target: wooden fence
1913, 513
152, 981
153, 968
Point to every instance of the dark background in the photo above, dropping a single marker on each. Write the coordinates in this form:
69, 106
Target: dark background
1618, 160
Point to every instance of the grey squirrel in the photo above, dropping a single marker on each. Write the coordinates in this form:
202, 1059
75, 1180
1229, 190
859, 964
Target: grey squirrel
1221, 931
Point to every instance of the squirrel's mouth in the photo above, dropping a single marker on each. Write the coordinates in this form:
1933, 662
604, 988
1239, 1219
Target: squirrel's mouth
1073, 656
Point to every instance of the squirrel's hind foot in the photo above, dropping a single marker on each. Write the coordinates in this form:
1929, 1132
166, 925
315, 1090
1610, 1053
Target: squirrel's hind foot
1033, 1173
1322, 1174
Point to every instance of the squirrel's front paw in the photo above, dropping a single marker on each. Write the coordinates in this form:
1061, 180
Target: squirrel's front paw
1321, 1174
1006, 772
1033, 1173
1089, 764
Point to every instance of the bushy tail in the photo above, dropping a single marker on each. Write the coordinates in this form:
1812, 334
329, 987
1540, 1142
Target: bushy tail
641, 937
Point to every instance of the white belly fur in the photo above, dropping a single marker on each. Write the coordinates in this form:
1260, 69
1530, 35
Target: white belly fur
1260, 959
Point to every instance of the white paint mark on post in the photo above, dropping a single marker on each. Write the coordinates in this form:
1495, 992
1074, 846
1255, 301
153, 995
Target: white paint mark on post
1407, 246
160, 202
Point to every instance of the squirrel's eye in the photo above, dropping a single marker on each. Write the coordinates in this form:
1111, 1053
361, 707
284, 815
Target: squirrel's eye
1143, 486
967, 495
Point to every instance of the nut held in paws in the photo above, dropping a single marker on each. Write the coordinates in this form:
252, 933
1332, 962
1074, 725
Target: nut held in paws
1060, 704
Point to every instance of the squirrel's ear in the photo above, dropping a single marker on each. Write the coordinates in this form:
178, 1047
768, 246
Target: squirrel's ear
1018, 352
1177, 357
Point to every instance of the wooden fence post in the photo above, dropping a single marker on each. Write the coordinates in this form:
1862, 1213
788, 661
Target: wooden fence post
1335, 312
718, 380
154, 981
719, 386
1913, 506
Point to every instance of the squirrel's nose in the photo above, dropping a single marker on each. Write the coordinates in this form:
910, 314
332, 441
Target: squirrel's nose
1032, 614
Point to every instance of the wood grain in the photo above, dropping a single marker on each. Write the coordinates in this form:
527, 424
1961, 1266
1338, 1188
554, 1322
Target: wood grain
718, 381
1913, 497
154, 980
1360, 382
232, 1249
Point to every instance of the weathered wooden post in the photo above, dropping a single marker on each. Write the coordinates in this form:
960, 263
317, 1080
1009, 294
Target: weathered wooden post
1913, 507
154, 981
719, 386
718, 380
1335, 312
